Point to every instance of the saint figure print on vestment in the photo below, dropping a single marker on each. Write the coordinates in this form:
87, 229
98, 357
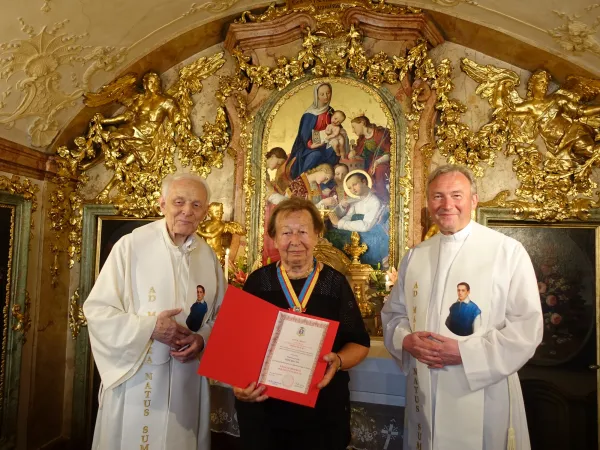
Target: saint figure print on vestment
465, 316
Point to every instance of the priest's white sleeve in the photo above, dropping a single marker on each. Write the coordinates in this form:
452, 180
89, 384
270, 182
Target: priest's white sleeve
119, 337
206, 329
395, 320
503, 350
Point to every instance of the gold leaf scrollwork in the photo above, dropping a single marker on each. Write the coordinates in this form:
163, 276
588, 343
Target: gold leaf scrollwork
22, 319
23, 187
331, 55
454, 139
556, 181
76, 317
26, 189
139, 146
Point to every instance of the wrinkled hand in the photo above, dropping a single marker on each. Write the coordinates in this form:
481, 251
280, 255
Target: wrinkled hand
333, 362
189, 347
424, 349
167, 330
449, 351
250, 394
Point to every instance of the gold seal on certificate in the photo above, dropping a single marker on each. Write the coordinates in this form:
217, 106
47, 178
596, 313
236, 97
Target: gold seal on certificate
293, 352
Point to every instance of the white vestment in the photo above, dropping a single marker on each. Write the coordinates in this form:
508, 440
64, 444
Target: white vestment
467, 406
149, 400
369, 206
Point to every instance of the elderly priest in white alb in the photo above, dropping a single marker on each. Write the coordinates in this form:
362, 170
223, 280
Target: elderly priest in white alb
463, 391
151, 395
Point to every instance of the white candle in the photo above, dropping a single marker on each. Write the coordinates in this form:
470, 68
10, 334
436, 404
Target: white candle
388, 284
227, 266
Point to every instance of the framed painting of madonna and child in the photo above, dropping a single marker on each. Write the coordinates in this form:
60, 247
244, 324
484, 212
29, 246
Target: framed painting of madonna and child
340, 143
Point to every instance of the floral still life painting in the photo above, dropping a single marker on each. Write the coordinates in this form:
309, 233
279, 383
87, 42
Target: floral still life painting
564, 259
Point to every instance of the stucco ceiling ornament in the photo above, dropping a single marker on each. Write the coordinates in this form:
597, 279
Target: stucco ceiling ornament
212, 7
454, 2
555, 180
37, 65
576, 36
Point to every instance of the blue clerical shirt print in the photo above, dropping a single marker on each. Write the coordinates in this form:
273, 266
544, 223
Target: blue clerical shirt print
462, 316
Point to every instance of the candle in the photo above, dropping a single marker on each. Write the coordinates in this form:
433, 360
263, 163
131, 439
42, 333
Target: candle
227, 266
388, 283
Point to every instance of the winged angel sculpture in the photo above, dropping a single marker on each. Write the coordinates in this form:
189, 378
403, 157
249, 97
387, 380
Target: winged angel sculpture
567, 125
139, 144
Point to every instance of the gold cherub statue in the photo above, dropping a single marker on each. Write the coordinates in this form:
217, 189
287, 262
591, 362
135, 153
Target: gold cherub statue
213, 229
355, 248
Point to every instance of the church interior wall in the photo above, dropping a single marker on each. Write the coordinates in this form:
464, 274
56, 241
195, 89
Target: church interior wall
48, 358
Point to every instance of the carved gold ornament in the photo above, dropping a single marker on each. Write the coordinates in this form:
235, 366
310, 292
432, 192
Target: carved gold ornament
555, 180
22, 320
355, 248
21, 186
76, 317
333, 56
138, 146
213, 229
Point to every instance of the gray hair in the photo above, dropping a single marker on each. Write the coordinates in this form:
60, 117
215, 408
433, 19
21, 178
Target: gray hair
453, 168
169, 179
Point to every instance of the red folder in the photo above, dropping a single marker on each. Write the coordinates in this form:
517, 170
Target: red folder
239, 340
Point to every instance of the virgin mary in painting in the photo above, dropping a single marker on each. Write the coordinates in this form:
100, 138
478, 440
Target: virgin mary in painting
306, 154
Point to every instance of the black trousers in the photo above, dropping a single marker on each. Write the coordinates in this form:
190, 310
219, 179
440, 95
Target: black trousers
256, 433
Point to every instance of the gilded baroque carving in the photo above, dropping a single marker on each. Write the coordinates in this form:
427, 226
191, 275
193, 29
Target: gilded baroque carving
355, 248
23, 187
331, 50
22, 320
39, 61
332, 56
5, 318
139, 146
555, 181
575, 35
213, 229
76, 317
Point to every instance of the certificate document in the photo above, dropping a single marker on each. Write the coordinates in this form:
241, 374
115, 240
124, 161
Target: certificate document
293, 352
255, 341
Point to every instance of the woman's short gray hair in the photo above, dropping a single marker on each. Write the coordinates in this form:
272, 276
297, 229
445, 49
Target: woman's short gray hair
169, 179
453, 168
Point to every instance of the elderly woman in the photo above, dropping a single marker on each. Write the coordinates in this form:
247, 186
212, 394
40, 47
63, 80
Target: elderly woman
270, 424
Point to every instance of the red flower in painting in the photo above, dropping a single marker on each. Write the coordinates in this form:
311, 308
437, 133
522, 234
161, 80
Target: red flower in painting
555, 319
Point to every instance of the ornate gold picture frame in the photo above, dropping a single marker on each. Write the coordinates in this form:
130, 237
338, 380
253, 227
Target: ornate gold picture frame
369, 140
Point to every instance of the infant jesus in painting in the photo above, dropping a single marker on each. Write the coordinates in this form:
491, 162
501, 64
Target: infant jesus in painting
334, 135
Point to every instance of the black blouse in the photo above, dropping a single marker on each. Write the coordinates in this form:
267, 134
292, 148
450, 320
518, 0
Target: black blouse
331, 299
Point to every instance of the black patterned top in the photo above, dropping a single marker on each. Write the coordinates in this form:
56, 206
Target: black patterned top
333, 299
